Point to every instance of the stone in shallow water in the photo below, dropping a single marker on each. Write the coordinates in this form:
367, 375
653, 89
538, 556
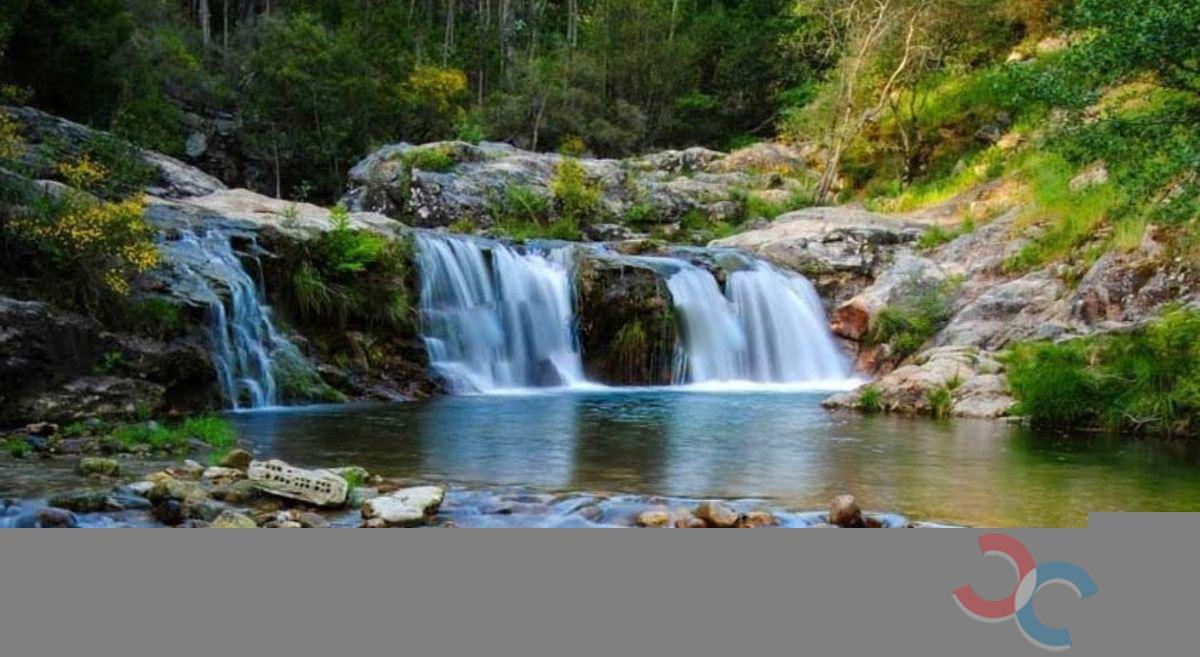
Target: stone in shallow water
717, 514
319, 487
685, 519
238, 459
844, 512
659, 517
407, 507
233, 520
92, 465
756, 519
220, 476
49, 517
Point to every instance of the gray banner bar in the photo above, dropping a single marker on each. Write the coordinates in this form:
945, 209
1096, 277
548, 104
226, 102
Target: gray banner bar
531, 593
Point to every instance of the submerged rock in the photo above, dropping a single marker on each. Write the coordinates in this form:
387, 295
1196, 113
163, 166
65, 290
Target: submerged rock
48, 518
318, 487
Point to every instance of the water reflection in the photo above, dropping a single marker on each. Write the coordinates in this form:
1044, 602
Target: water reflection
782, 447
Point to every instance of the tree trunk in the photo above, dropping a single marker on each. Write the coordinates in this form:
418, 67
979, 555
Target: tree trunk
205, 19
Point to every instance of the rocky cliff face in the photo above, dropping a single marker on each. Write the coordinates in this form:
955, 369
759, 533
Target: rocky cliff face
470, 180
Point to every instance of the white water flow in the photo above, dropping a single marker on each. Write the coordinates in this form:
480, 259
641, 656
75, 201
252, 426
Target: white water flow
495, 319
768, 327
245, 345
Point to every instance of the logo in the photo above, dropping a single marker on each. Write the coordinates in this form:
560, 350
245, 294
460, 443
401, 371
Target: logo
1031, 577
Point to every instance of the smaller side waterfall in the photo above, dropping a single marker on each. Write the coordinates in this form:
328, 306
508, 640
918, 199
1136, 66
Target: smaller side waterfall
768, 327
714, 345
493, 318
246, 349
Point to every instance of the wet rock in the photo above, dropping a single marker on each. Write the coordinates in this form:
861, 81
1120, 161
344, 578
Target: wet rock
290, 524
685, 519
317, 487
659, 517
233, 520
169, 512
188, 470
239, 492
103, 467
43, 429
407, 507
49, 518
310, 520
189, 493
717, 514
238, 459
756, 519
140, 488
220, 476
37, 444
844, 512
82, 501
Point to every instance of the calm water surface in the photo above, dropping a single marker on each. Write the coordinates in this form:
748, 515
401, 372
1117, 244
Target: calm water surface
775, 446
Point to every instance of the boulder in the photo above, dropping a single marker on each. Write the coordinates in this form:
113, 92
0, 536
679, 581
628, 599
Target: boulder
220, 476
169, 512
92, 465
844, 512
685, 519
717, 514
755, 519
659, 517
238, 459
317, 487
407, 507
42, 429
233, 520
49, 518
81, 501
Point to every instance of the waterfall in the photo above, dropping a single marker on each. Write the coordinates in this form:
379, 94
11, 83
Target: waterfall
768, 327
245, 347
493, 318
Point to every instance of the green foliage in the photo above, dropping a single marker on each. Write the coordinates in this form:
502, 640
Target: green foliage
354, 478
154, 317
870, 400
437, 159
110, 362
906, 326
937, 235
941, 402
353, 276
576, 199
17, 448
214, 431
1147, 381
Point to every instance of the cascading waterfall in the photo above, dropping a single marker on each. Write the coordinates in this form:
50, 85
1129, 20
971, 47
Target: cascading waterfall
246, 349
493, 318
768, 327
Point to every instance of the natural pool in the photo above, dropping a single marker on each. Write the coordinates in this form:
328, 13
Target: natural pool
777, 446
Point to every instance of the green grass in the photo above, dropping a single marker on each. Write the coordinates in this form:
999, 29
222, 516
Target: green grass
941, 402
17, 448
214, 431
1143, 382
938, 235
870, 400
906, 326
1066, 218
436, 159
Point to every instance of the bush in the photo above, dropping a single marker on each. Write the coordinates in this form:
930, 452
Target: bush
437, 159
870, 400
575, 198
908, 325
350, 275
17, 448
1148, 381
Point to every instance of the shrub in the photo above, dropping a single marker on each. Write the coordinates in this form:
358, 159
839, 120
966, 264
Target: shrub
154, 317
908, 325
941, 402
575, 198
17, 448
1147, 381
870, 400
351, 275
437, 159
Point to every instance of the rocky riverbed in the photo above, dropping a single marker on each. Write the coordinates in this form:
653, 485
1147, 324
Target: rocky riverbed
51, 487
